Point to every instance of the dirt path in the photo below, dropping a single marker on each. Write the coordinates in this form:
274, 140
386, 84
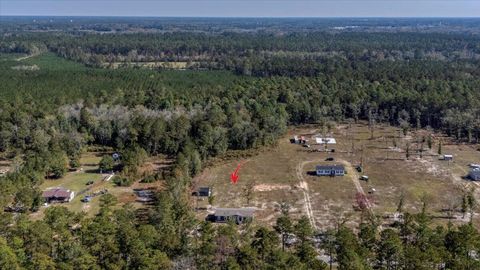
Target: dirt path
25, 57
304, 186
107, 178
355, 179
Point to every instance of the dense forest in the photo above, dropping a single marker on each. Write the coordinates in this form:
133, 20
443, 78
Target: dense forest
241, 91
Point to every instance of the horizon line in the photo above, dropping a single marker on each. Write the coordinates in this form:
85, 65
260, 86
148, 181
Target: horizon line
248, 17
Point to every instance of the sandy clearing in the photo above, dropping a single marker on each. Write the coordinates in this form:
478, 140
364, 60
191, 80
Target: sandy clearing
266, 187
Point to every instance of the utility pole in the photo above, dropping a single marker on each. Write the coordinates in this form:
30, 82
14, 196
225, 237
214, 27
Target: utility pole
361, 159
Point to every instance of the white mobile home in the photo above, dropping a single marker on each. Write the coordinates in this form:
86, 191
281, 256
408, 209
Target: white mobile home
325, 140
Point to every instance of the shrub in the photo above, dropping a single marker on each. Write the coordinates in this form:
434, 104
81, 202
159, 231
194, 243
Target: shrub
122, 181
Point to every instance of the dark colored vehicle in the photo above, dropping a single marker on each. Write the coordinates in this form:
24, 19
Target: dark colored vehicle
359, 168
329, 159
89, 183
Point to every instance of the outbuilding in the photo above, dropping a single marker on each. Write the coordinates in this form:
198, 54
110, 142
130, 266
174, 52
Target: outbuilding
330, 170
448, 157
203, 192
320, 140
474, 165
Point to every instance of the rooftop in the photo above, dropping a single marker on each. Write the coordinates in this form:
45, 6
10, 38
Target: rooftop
245, 212
325, 140
330, 167
475, 172
57, 192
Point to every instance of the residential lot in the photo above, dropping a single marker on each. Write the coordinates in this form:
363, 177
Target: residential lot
102, 184
285, 173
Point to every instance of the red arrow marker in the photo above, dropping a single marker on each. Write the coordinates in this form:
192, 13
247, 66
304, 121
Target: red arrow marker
234, 176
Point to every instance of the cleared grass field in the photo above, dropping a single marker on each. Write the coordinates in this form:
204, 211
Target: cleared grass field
151, 65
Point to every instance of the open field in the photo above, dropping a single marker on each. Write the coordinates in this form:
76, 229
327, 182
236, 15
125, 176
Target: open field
151, 65
284, 174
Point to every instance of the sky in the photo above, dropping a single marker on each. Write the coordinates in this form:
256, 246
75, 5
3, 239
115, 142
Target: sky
244, 8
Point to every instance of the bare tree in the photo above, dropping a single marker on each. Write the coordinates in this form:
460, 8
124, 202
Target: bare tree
248, 191
407, 151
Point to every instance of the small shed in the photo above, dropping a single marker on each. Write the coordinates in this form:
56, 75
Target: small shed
203, 192
58, 194
474, 165
448, 157
330, 170
237, 215
474, 174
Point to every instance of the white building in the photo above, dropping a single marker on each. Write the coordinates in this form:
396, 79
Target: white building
325, 140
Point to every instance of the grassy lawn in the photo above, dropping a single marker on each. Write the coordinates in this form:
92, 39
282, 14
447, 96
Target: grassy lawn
51, 62
77, 182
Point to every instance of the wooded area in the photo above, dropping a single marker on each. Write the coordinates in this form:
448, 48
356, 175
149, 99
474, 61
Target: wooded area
242, 93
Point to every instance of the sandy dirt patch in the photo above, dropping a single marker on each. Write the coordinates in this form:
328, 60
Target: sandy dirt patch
266, 187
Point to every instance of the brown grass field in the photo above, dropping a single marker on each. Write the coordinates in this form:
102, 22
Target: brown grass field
280, 174
283, 174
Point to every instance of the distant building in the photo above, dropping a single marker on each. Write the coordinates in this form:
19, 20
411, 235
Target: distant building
237, 215
448, 157
330, 170
325, 140
58, 194
474, 174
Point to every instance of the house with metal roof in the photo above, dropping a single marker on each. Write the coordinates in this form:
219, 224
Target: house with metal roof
330, 170
58, 194
237, 215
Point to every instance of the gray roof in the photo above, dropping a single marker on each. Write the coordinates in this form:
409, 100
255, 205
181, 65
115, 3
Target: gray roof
226, 212
330, 167
475, 172
57, 192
